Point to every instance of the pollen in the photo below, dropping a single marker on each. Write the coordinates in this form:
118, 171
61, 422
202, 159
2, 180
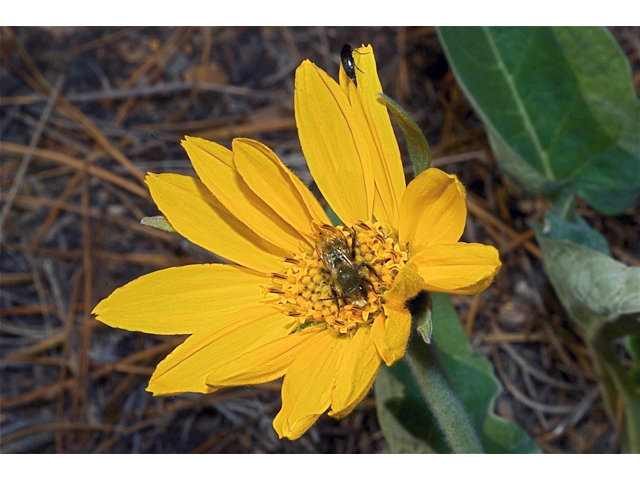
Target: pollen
343, 280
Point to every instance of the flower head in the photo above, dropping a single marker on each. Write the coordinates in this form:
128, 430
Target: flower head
321, 305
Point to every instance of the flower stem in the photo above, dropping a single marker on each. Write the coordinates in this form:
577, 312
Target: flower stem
438, 392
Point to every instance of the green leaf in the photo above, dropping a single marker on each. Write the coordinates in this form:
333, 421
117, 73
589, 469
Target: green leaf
407, 421
602, 296
559, 106
632, 343
633, 346
332, 216
594, 288
578, 232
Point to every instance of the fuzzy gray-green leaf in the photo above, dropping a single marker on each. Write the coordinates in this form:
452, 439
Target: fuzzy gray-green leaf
593, 287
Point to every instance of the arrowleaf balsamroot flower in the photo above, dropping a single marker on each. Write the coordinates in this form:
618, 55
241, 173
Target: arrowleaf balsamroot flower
322, 306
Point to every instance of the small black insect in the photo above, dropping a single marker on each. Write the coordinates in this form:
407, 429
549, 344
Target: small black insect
347, 62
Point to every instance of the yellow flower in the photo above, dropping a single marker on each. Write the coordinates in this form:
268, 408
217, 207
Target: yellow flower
322, 306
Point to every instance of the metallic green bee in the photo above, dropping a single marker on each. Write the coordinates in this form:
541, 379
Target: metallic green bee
350, 281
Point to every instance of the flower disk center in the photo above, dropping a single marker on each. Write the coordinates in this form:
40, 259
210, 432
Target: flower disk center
342, 282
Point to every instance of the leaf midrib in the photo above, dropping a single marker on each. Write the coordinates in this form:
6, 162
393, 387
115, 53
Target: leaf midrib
528, 124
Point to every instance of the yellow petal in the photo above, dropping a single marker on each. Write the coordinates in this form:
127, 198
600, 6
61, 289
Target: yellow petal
187, 367
181, 299
267, 176
407, 285
460, 268
373, 116
199, 217
212, 163
306, 390
432, 210
356, 373
391, 333
267, 362
333, 144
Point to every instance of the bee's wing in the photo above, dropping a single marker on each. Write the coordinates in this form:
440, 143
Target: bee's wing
335, 253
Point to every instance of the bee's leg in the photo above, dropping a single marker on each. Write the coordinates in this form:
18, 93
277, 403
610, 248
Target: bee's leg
354, 240
336, 298
372, 270
371, 284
